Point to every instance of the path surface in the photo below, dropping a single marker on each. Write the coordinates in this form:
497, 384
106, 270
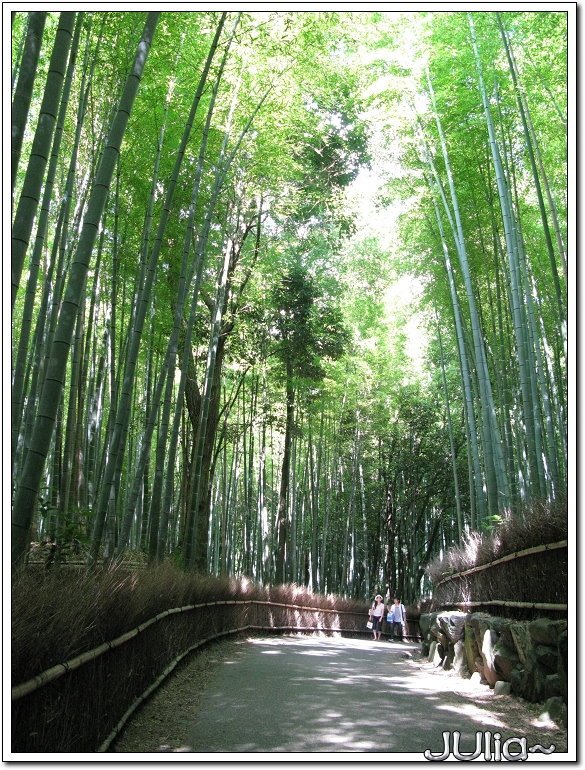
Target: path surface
307, 694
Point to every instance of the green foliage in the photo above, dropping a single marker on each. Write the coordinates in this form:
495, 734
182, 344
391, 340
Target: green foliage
308, 327
343, 291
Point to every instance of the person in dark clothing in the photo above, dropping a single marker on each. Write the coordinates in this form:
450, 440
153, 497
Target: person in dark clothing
398, 618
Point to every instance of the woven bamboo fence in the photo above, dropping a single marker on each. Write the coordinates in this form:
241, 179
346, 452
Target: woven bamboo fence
525, 584
82, 704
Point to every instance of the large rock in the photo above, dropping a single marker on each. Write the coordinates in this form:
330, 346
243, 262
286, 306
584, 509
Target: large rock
507, 636
517, 681
436, 653
546, 656
489, 640
545, 631
448, 659
529, 682
425, 622
521, 639
505, 660
471, 648
552, 686
452, 624
432, 648
460, 659
502, 688
479, 621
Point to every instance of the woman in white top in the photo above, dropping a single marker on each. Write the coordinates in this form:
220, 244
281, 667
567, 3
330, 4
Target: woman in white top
376, 615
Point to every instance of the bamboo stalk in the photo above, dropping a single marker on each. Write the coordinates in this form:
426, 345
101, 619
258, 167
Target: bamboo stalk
508, 557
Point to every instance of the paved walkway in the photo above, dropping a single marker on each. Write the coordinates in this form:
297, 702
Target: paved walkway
306, 694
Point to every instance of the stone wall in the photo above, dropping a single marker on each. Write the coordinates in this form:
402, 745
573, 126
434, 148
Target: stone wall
526, 658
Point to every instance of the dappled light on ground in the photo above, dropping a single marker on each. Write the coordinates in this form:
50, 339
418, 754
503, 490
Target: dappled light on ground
305, 694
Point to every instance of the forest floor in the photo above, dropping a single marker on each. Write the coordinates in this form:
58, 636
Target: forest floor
221, 688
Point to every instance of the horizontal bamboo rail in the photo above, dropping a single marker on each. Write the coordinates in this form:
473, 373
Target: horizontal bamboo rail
300, 607
155, 685
508, 557
519, 605
60, 669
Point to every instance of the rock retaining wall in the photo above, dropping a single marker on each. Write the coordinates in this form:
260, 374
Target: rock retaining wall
527, 658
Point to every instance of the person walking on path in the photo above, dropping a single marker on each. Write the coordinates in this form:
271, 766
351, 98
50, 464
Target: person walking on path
376, 615
398, 618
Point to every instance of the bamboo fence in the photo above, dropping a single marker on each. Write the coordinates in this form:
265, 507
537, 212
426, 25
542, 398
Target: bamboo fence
50, 711
509, 557
534, 579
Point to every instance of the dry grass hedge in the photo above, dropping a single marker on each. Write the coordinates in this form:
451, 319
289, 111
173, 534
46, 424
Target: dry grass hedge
537, 578
61, 613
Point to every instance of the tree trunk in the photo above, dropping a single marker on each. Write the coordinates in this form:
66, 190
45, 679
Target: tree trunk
282, 515
27, 491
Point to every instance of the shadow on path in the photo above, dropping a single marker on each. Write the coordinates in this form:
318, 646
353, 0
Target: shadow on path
307, 694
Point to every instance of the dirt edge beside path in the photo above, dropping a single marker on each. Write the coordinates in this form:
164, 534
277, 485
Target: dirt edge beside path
163, 722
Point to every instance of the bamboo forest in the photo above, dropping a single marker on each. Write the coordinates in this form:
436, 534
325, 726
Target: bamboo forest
289, 289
